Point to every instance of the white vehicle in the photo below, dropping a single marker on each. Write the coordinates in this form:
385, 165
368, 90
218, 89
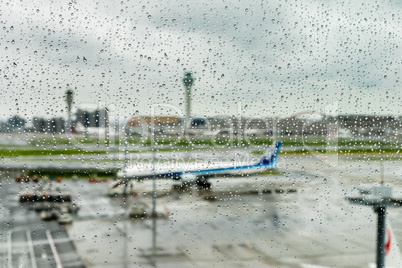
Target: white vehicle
47, 215
117, 188
136, 211
65, 218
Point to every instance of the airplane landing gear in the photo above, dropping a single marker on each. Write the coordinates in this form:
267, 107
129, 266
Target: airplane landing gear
203, 183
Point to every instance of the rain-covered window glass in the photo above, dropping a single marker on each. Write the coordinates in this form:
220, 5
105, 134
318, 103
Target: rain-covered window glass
200, 134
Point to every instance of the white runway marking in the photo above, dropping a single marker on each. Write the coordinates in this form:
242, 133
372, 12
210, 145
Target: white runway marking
9, 249
31, 251
54, 250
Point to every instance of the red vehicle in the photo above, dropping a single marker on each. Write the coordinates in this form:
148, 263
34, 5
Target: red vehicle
18, 178
26, 178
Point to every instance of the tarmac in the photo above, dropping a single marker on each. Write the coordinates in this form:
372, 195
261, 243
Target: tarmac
297, 217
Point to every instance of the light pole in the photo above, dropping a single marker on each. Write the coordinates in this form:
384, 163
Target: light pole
116, 146
125, 161
154, 215
188, 83
69, 99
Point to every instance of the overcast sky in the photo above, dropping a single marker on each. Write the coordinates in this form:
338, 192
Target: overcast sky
269, 59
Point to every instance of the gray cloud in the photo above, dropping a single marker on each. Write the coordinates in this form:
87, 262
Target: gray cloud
293, 56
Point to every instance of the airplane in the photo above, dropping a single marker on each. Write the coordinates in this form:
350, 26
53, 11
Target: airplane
195, 172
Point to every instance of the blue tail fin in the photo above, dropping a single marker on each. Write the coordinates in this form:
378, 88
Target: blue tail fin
270, 157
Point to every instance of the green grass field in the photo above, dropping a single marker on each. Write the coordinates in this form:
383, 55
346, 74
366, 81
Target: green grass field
43, 147
373, 150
